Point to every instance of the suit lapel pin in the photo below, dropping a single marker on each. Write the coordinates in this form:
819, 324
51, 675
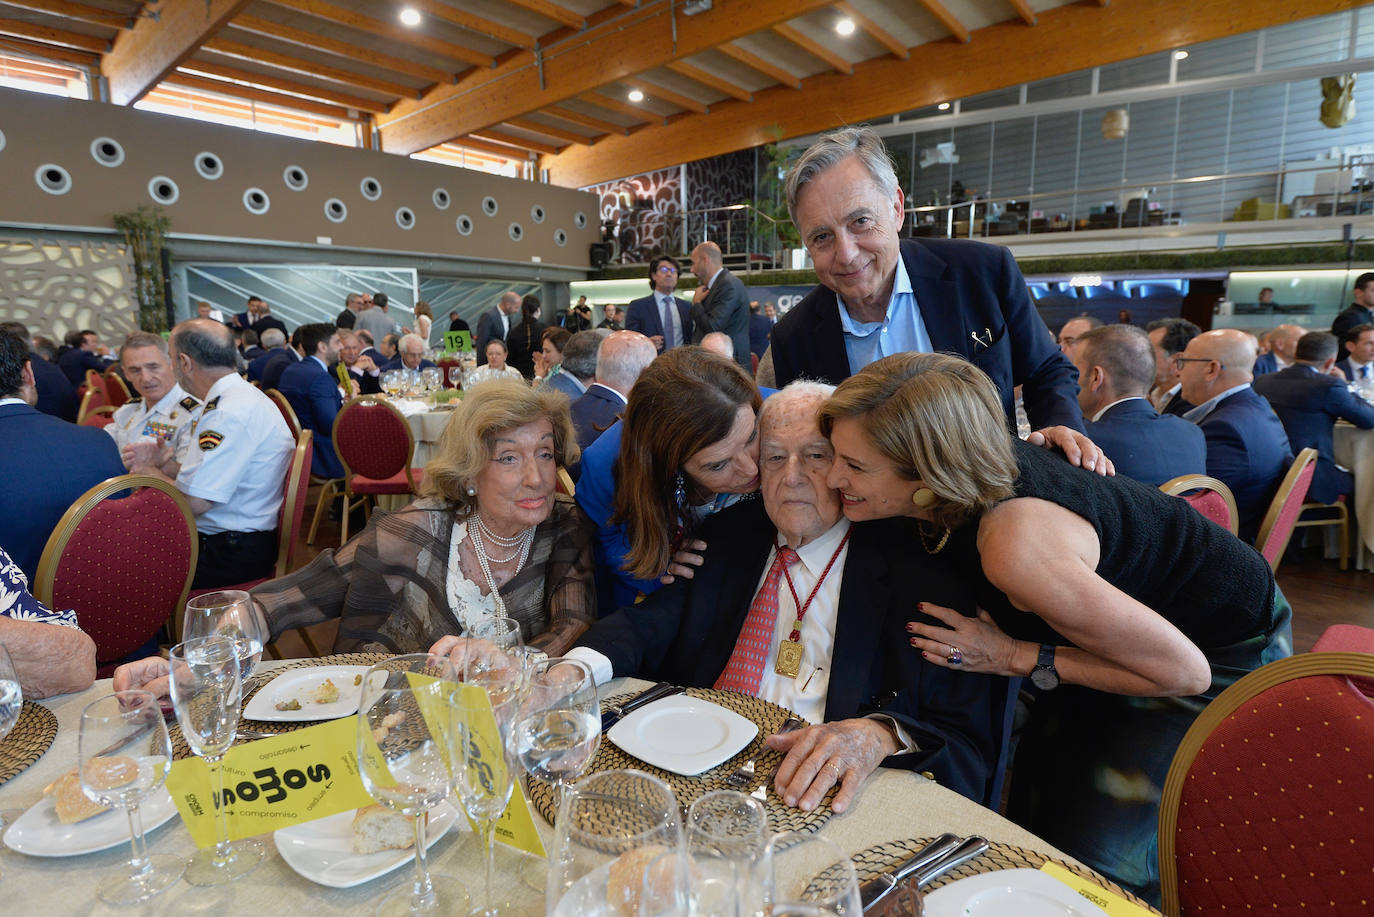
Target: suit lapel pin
984, 341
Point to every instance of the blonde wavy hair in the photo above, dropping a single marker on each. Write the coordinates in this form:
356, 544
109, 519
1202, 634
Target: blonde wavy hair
938, 419
466, 445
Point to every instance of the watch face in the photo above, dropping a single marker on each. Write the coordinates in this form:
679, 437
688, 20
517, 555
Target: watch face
1044, 679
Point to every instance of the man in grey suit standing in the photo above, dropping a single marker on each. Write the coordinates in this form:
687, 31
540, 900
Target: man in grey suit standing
721, 302
495, 324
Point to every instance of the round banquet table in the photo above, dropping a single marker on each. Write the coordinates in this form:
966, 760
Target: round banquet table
1353, 449
894, 805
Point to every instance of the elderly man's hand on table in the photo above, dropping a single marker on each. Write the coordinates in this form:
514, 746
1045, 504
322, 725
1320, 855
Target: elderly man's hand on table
846, 752
144, 675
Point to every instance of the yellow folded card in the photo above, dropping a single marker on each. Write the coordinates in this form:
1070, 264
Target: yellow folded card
1113, 904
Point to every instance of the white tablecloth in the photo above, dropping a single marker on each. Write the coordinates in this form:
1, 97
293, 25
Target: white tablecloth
1353, 448
894, 805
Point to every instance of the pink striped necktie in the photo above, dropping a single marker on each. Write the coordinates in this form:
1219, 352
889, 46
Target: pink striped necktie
744, 671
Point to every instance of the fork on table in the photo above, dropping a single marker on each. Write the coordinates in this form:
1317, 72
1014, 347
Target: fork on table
744, 774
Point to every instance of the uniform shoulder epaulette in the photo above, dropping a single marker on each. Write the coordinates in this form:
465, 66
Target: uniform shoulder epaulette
190, 403
211, 404
138, 400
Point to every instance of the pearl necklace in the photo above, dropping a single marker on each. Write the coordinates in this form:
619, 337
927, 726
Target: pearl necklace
525, 540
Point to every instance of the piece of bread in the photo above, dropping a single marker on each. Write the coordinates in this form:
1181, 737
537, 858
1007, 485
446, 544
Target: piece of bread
625, 882
72, 804
376, 827
326, 693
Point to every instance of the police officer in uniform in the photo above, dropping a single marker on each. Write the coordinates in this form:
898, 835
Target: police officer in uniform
163, 412
235, 469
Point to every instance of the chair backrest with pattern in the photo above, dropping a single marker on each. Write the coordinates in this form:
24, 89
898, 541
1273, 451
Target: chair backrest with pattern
1208, 496
93, 407
115, 389
1269, 795
373, 439
96, 381
293, 422
292, 513
1286, 507
124, 564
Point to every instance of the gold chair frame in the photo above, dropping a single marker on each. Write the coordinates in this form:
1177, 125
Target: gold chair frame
1184, 483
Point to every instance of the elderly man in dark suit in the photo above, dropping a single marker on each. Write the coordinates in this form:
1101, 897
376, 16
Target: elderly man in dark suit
620, 359
1309, 400
46, 463
1247, 448
721, 303
496, 323
880, 295
649, 314
280, 359
1116, 366
314, 394
848, 656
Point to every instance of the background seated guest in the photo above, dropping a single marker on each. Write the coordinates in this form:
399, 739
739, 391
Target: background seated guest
249, 345
552, 342
619, 360
577, 366
1169, 336
1103, 590
83, 354
50, 652
525, 338
162, 412
718, 342
361, 368
232, 477
1358, 345
314, 394
410, 354
390, 346
760, 327
1283, 344
280, 359
273, 342
687, 448
1247, 449
495, 366
56, 397
612, 320
1072, 332
46, 464
1309, 398
857, 583
1116, 366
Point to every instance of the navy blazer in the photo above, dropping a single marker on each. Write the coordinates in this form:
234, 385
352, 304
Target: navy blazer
1309, 403
725, 309
1248, 451
974, 303
56, 397
314, 395
759, 329
1346, 367
396, 363
258, 364
75, 362
1176, 405
46, 465
594, 412
276, 365
1149, 447
685, 633
489, 326
1352, 315
1265, 364
642, 315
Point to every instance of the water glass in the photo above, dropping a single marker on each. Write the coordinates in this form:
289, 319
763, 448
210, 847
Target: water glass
727, 834
404, 760
229, 613
206, 681
559, 729
124, 754
804, 875
455, 376
391, 382
11, 703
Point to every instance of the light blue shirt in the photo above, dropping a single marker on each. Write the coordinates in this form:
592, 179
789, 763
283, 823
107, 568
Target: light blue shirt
901, 330
1198, 413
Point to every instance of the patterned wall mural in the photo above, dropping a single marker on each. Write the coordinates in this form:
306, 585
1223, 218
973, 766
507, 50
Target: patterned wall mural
55, 286
720, 181
644, 213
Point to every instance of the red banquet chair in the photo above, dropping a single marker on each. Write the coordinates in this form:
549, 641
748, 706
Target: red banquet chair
376, 447
124, 564
288, 413
1208, 496
1266, 806
1285, 509
116, 392
94, 411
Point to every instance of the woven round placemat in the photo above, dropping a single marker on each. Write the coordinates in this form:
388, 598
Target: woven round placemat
31, 736
880, 858
258, 682
768, 716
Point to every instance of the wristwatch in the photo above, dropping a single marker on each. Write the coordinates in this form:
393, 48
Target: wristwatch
1044, 676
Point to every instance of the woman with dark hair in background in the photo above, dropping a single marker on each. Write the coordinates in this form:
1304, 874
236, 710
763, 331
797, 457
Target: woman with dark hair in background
525, 338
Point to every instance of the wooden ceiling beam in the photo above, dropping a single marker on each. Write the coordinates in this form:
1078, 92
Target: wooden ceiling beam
617, 48
619, 106
1006, 54
71, 9
284, 85
234, 90
153, 48
50, 52
310, 68
947, 19
596, 124
816, 49
557, 133
1023, 10
552, 11
472, 23
270, 29
22, 28
753, 61
879, 34
396, 32
675, 98
710, 79
519, 143
495, 149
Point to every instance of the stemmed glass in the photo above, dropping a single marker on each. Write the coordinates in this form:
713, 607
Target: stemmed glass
124, 754
560, 722
455, 376
11, 702
391, 382
228, 613
804, 874
727, 833
433, 379
404, 758
206, 684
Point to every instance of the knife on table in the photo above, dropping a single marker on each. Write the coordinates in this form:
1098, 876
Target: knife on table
874, 890
659, 691
971, 848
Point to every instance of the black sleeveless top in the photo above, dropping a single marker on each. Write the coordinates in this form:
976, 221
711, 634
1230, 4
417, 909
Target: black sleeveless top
1155, 548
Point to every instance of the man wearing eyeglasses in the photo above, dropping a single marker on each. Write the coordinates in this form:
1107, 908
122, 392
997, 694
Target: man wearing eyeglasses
661, 317
1247, 449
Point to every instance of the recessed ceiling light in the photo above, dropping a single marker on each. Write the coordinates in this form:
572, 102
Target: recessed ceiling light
636, 95
1180, 55
410, 16
845, 26
943, 106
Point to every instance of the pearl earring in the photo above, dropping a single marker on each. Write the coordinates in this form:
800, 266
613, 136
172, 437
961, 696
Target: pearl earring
924, 497
472, 491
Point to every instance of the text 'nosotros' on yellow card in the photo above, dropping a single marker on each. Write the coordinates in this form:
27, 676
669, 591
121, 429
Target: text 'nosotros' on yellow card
515, 828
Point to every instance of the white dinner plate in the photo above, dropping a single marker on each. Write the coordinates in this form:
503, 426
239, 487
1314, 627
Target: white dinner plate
39, 833
322, 850
1009, 893
300, 684
682, 734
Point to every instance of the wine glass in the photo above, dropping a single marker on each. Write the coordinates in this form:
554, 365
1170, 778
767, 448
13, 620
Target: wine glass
805, 875
727, 833
559, 729
228, 613
404, 760
610, 826
124, 754
433, 378
455, 376
391, 382
206, 683
11, 702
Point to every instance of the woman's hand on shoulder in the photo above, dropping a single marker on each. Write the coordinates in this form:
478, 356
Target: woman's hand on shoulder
685, 562
1077, 448
982, 645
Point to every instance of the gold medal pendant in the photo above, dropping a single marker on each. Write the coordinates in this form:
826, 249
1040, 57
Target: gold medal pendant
789, 659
